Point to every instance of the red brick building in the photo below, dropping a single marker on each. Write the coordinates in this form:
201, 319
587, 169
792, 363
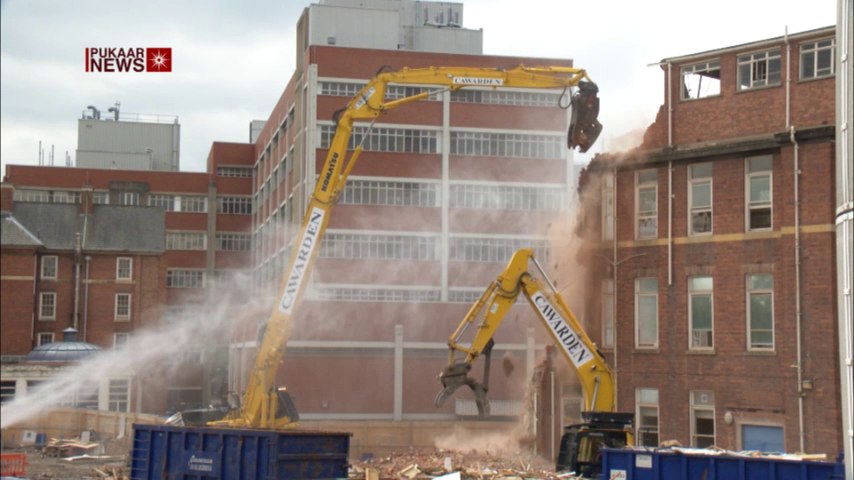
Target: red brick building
712, 252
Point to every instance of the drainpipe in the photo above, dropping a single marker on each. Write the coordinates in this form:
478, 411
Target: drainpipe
788, 73
669, 107
77, 258
799, 365
86, 299
670, 223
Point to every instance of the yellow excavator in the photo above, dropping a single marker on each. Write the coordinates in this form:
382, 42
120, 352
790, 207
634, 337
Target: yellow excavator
265, 406
602, 426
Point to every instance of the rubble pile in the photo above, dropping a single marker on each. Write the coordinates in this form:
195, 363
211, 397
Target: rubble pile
470, 465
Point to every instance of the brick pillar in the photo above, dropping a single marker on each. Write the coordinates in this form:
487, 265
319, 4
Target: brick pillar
7, 196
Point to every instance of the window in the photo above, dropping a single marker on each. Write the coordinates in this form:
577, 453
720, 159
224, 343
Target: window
122, 306
124, 266
701, 80
702, 418
608, 313
362, 294
760, 312
119, 395
646, 199
608, 207
47, 306
101, 198
233, 242
380, 246
49, 266
236, 205
759, 193
503, 97
7, 391
47, 196
759, 69
192, 204
381, 139
700, 199
646, 312
494, 249
647, 415
45, 338
186, 241
817, 59
239, 172
185, 279
120, 341
341, 89
159, 200
130, 198
379, 192
507, 197
517, 145
700, 312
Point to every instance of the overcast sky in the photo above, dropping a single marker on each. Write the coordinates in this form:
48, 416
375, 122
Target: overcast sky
232, 61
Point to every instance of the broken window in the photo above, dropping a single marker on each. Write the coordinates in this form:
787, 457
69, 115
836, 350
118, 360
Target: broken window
817, 59
647, 415
7, 391
759, 193
608, 207
700, 199
702, 419
701, 80
759, 69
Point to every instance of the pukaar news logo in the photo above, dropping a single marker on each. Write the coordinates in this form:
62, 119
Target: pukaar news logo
129, 59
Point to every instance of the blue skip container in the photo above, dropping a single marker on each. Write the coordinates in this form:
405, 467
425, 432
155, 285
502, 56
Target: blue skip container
167, 452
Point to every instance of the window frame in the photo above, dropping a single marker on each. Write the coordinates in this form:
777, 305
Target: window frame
130, 199
608, 296
110, 400
747, 203
119, 277
116, 316
814, 50
42, 296
760, 291
693, 410
639, 403
773, 53
608, 214
691, 208
642, 186
697, 68
116, 336
638, 295
55, 259
696, 293
39, 341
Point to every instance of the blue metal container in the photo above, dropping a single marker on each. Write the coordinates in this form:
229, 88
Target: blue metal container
166, 452
619, 464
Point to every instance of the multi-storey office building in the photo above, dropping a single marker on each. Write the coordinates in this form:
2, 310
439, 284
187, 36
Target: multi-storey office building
713, 252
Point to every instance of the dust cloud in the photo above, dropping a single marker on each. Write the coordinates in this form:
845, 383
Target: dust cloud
152, 350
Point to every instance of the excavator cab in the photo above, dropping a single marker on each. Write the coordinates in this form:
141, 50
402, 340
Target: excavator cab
584, 126
581, 444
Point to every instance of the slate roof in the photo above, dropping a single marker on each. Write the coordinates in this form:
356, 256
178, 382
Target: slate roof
12, 233
116, 228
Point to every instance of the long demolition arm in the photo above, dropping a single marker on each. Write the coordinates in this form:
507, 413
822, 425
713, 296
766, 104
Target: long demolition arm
259, 404
597, 379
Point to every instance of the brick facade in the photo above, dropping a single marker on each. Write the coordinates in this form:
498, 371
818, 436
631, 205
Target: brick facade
750, 387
